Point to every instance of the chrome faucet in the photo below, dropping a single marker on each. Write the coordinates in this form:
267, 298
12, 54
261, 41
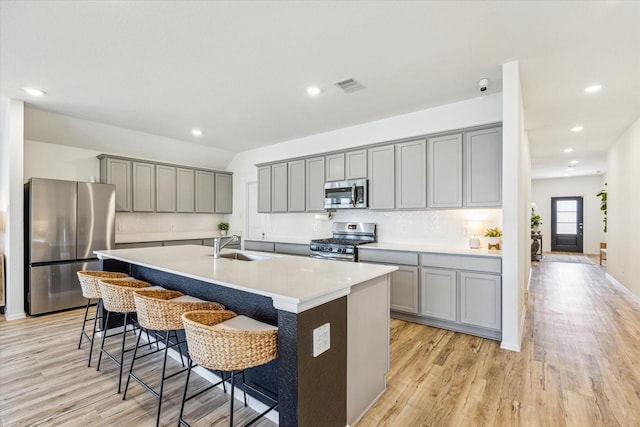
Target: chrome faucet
217, 247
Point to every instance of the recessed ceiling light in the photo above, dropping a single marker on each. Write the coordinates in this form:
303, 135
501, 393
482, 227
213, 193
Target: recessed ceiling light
577, 128
593, 88
196, 132
574, 162
566, 174
313, 90
568, 150
33, 91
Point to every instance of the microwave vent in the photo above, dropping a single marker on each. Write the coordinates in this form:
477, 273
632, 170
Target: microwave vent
350, 85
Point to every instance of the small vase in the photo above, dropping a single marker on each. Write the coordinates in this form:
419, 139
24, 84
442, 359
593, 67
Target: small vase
223, 233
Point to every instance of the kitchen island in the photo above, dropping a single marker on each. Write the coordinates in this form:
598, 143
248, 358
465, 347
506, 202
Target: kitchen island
298, 295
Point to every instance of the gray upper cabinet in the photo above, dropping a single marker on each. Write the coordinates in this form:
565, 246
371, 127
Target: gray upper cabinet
264, 189
296, 186
483, 168
439, 294
481, 300
185, 190
315, 184
411, 175
224, 193
205, 192
382, 177
279, 188
355, 163
165, 188
444, 165
118, 173
335, 167
144, 187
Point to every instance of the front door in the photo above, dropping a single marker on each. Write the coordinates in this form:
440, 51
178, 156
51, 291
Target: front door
566, 224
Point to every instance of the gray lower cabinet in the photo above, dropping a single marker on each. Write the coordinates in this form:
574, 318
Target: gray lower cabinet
314, 197
411, 175
483, 168
439, 294
296, 186
136, 245
292, 249
118, 172
205, 192
185, 190
355, 164
182, 242
382, 177
444, 165
264, 189
259, 245
481, 300
144, 187
165, 188
224, 193
279, 188
404, 289
334, 164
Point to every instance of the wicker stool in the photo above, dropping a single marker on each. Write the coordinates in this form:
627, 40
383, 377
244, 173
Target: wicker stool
231, 345
117, 297
161, 311
91, 291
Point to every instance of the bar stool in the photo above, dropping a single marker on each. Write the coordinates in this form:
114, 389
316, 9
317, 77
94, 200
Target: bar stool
91, 291
117, 297
231, 345
161, 311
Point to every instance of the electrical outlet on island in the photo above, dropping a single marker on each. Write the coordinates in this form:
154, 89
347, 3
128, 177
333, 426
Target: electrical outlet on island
321, 339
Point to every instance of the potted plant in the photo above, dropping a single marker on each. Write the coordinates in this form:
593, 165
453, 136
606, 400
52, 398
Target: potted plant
603, 205
536, 221
493, 235
223, 227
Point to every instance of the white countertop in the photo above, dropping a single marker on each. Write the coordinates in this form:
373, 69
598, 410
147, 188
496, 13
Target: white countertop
162, 237
294, 283
431, 249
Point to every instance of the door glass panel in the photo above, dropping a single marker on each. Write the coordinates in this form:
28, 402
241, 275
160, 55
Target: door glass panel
566, 217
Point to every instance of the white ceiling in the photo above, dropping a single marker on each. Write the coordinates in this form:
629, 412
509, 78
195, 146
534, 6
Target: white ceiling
238, 70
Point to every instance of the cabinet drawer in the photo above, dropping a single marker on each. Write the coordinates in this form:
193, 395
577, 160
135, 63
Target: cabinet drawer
182, 242
388, 257
461, 262
292, 249
254, 245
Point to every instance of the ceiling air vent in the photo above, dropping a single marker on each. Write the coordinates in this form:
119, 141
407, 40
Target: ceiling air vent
350, 85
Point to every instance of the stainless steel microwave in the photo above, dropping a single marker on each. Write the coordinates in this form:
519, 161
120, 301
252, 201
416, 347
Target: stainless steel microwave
350, 194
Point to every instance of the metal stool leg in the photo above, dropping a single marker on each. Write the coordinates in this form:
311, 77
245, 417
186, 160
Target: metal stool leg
104, 335
135, 352
233, 381
84, 322
124, 339
184, 396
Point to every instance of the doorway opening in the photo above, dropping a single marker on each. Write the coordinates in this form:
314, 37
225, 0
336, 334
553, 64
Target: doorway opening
566, 224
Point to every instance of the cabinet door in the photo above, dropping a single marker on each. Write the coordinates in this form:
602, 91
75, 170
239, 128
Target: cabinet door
335, 167
483, 155
444, 159
315, 184
296, 186
118, 173
356, 164
144, 187
439, 294
264, 189
279, 187
382, 177
204, 192
165, 188
224, 193
481, 300
185, 190
411, 175
404, 289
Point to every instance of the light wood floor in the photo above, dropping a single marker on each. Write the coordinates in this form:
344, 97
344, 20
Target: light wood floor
579, 366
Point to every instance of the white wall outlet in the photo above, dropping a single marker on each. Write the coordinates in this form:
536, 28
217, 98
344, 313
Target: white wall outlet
173, 227
315, 227
403, 228
120, 226
321, 339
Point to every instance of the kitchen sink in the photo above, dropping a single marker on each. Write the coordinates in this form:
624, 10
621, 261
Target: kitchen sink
244, 256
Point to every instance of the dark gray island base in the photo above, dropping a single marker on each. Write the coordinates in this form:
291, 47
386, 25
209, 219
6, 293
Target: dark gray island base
312, 391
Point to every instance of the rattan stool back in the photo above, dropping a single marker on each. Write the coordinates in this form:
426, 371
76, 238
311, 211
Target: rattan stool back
89, 281
117, 294
158, 311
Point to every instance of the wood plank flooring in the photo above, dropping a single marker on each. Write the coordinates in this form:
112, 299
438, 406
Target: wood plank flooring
579, 366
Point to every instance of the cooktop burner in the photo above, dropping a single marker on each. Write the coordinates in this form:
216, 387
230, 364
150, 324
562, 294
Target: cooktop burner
344, 242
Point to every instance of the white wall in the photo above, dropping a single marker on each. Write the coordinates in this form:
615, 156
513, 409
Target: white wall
542, 190
427, 226
623, 209
516, 164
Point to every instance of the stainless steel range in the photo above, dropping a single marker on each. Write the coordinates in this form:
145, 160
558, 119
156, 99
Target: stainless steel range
343, 245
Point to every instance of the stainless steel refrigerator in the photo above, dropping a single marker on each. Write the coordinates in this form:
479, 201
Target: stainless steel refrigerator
65, 221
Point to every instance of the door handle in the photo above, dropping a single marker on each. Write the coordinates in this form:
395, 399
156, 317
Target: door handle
353, 195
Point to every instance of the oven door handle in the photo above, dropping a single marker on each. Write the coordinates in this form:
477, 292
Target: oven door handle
331, 258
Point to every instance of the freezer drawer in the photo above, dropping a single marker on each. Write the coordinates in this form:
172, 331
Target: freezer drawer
56, 287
